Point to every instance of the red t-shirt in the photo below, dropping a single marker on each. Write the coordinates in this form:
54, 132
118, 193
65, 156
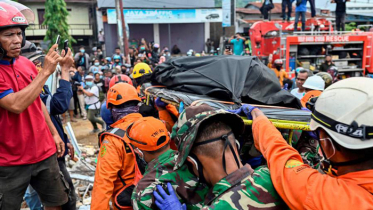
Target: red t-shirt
24, 138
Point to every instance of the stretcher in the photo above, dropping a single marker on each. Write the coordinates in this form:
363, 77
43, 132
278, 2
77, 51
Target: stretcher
282, 118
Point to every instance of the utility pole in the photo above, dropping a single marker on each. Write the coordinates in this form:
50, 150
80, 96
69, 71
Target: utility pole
124, 42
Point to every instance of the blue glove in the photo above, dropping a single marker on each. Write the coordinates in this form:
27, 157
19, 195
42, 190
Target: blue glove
244, 110
181, 107
159, 103
167, 202
313, 134
305, 109
285, 86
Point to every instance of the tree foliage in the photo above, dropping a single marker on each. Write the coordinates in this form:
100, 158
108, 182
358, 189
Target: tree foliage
55, 18
350, 26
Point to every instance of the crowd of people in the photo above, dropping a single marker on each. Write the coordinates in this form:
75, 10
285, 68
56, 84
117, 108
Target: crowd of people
301, 10
155, 155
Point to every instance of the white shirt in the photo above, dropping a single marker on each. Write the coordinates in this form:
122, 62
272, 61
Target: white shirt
93, 100
295, 92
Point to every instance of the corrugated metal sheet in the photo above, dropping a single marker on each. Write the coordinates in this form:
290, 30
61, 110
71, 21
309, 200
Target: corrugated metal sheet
158, 4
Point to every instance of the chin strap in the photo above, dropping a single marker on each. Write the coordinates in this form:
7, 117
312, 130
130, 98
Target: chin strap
327, 165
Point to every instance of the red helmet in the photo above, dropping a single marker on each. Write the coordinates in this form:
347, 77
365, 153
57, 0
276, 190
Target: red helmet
11, 16
14, 14
120, 78
279, 62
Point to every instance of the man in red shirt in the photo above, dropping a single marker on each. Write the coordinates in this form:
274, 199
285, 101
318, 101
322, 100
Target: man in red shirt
28, 138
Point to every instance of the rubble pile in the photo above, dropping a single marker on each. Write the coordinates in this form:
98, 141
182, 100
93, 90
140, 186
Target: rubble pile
82, 172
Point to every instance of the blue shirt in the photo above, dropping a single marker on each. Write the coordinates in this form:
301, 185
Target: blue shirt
302, 7
237, 46
106, 115
58, 104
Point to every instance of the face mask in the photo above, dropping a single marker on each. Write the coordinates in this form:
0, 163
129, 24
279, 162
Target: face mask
119, 113
82, 51
142, 48
97, 64
89, 84
101, 77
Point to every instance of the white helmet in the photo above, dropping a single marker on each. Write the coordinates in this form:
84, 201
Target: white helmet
345, 111
314, 83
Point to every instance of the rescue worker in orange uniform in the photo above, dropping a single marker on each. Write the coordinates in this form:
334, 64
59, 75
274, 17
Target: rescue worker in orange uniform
314, 86
279, 71
342, 123
168, 113
116, 162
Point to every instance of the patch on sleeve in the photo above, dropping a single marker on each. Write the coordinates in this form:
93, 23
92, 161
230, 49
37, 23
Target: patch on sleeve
293, 163
301, 168
103, 151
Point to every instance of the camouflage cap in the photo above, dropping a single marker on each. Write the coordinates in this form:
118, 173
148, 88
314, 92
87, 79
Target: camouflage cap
328, 79
186, 129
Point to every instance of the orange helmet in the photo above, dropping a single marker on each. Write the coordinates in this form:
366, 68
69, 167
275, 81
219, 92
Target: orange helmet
148, 134
120, 78
121, 93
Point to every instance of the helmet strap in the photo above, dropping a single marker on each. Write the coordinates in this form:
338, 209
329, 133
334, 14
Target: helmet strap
327, 165
353, 130
227, 143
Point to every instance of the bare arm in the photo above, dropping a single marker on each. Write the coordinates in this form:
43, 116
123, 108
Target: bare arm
66, 63
19, 101
48, 120
241, 37
86, 92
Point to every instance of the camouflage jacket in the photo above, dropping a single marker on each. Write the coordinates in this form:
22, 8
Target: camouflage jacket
308, 149
159, 172
244, 189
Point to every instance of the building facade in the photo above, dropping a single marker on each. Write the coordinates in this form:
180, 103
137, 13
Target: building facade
183, 23
81, 21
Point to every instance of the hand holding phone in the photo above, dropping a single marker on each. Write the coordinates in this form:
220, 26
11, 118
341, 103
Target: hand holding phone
66, 46
58, 41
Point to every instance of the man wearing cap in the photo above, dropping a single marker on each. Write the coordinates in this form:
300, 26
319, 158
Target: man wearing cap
150, 138
342, 123
207, 143
116, 163
92, 102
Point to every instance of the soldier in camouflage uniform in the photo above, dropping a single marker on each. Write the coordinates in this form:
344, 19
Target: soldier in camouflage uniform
150, 138
206, 141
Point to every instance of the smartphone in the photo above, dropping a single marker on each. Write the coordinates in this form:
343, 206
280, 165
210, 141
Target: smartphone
66, 46
227, 47
58, 41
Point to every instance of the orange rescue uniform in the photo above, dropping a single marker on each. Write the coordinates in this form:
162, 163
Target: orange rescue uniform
302, 187
114, 157
281, 75
309, 95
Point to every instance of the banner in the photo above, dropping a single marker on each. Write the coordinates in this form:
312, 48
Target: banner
167, 15
323, 38
227, 19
